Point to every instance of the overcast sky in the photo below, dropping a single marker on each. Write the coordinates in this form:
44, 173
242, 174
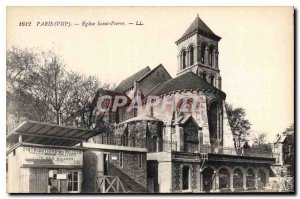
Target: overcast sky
255, 52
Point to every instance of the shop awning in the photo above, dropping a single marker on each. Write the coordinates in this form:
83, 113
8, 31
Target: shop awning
49, 134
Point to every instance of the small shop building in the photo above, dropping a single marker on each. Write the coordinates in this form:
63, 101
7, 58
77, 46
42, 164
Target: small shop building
46, 158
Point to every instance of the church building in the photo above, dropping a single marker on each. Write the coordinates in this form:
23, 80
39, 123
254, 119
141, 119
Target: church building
189, 151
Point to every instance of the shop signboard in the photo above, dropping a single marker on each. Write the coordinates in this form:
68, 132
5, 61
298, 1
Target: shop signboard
50, 156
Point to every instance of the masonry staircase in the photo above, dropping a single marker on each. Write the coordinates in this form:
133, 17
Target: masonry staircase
129, 184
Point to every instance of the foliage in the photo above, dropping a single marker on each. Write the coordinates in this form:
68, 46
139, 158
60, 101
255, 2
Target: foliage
40, 88
239, 124
285, 179
259, 139
290, 129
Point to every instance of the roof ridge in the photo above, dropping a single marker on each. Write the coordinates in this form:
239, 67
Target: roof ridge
160, 65
168, 86
198, 25
122, 86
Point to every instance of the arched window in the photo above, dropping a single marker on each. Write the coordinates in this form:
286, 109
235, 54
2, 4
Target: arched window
208, 178
250, 179
237, 178
261, 175
211, 56
191, 55
183, 57
224, 178
190, 137
203, 47
212, 80
185, 106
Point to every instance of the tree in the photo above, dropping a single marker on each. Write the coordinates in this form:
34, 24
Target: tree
40, 88
284, 179
289, 130
259, 139
239, 124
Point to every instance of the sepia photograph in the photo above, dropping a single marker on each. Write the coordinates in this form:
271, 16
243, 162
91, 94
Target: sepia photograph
150, 100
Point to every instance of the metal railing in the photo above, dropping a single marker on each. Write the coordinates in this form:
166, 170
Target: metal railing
121, 141
240, 152
168, 146
150, 144
161, 146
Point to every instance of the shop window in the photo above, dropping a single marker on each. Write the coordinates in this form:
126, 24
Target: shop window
121, 160
140, 161
73, 181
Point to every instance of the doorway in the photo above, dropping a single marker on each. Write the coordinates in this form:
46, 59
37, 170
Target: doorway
102, 164
105, 162
207, 174
185, 177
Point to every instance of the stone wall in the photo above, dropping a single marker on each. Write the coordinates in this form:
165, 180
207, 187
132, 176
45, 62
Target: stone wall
133, 177
164, 177
194, 177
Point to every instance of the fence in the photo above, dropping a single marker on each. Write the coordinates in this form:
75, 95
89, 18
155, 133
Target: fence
121, 141
150, 144
240, 152
109, 184
161, 146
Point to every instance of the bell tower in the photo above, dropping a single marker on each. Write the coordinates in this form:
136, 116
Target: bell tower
198, 52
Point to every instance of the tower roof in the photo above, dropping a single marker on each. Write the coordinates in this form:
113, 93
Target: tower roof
198, 26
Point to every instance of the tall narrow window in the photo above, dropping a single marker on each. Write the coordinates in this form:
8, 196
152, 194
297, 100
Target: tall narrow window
212, 80
121, 160
140, 161
211, 56
203, 47
191, 55
183, 59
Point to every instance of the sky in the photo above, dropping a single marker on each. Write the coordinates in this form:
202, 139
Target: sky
256, 52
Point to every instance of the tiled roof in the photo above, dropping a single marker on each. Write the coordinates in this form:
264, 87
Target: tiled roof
114, 93
185, 81
128, 82
198, 25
